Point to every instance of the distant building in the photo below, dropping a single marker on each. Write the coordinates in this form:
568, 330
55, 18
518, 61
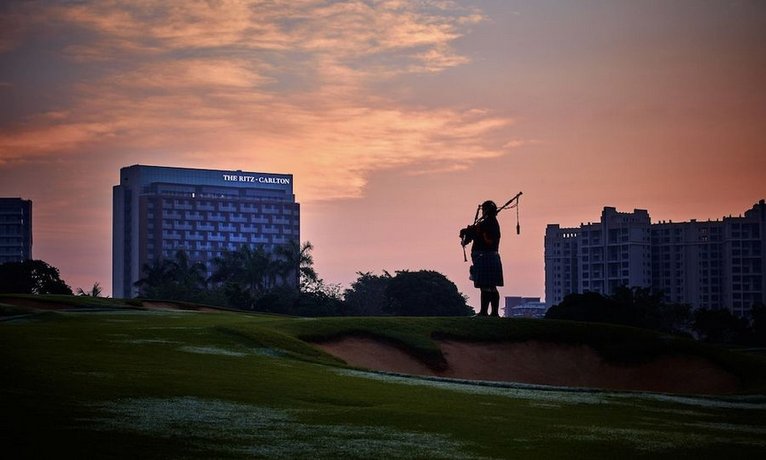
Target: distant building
15, 230
160, 210
562, 262
524, 307
598, 257
713, 264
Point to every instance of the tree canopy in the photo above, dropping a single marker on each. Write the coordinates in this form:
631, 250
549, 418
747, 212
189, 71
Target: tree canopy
31, 277
367, 295
176, 279
637, 306
250, 277
640, 307
408, 293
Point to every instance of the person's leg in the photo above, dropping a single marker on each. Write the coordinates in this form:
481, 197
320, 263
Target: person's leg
486, 299
494, 300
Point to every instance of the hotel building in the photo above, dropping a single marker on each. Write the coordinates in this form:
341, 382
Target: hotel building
15, 230
160, 210
712, 264
524, 307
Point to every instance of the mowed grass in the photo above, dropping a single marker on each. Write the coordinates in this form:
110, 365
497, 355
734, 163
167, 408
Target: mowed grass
170, 384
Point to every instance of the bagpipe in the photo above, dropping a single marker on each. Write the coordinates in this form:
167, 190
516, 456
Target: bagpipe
466, 233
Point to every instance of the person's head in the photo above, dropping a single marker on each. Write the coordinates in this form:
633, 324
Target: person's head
489, 208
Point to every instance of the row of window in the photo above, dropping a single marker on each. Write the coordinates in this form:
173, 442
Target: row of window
15, 240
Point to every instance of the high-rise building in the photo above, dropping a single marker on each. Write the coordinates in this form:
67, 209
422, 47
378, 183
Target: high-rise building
561, 262
160, 210
598, 257
15, 230
615, 251
712, 264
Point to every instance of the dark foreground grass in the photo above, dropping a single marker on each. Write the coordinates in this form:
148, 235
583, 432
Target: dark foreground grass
143, 384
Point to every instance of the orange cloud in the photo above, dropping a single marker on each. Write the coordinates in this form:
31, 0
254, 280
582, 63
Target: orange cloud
286, 86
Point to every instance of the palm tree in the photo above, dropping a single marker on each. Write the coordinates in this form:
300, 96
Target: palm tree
247, 267
177, 279
190, 276
158, 276
95, 291
295, 261
255, 268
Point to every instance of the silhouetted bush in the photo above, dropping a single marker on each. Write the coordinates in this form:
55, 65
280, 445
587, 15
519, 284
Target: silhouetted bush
637, 307
31, 277
720, 326
424, 293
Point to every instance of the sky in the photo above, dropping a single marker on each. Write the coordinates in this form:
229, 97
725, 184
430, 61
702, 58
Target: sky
396, 118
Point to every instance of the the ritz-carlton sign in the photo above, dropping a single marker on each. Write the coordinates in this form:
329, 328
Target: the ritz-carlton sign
258, 179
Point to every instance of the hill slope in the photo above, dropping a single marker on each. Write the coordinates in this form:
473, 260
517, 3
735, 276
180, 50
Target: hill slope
186, 384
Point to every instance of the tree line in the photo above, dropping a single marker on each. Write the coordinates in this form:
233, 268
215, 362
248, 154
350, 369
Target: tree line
280, 281
645, 308
284, 281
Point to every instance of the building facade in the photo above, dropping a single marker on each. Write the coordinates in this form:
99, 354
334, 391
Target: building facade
524, 307
160, 210
15, 230
561, 262
712, 264
615, 252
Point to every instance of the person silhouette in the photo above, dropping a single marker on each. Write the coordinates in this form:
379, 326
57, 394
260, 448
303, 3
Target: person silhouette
486, 270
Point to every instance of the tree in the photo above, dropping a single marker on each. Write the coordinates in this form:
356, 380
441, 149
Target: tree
31, 277
177, 279
253, 278
157, 279
758, 323
293, 256
589, 306
188, 275
318, 303
424, 293
312, 296
719, 326
246, 273
95, 291
367, 295
637, 307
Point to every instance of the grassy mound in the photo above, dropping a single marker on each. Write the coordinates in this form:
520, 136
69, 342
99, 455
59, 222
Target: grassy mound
191, 384
616, 344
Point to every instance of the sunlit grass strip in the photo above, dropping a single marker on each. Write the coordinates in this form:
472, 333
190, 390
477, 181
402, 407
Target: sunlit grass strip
230, 427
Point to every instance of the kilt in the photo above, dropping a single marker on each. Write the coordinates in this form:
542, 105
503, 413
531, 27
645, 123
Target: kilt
487, 269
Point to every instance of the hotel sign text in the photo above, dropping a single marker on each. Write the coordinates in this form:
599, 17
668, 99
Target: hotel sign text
258, 179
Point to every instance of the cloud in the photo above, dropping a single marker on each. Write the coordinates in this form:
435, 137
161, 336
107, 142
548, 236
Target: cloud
287, 86
516, 143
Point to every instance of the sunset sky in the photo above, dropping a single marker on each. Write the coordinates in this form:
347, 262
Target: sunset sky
396, 118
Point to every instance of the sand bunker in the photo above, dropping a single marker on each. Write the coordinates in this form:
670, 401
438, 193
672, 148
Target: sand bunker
541, 363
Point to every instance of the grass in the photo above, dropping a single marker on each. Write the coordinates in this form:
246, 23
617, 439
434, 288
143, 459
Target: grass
163, 384
616, 344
